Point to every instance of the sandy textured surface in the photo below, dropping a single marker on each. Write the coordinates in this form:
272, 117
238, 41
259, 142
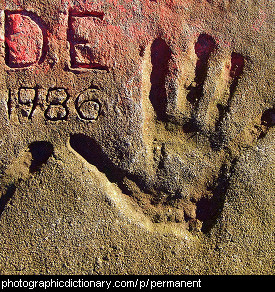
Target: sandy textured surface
137, 137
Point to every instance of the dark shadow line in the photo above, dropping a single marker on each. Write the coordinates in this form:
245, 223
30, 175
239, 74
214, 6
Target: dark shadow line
10, 191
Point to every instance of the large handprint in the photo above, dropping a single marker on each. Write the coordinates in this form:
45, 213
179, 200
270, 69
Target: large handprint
191, 145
